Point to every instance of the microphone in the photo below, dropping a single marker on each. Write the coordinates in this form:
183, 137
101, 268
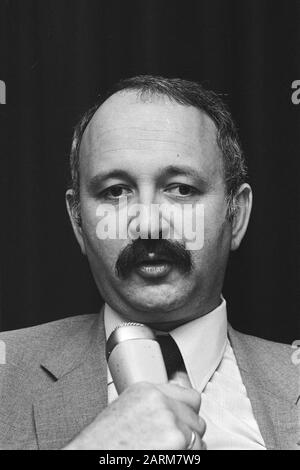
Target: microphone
134, 355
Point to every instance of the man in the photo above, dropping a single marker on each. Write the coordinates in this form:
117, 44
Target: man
165, 143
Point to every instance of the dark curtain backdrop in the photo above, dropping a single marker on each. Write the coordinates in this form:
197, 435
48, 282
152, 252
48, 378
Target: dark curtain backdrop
57, 56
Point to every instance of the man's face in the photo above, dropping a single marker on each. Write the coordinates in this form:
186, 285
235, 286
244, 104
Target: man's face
154, 152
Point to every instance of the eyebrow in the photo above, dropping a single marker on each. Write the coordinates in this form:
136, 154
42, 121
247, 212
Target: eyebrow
169, 171
183, 170
93, 184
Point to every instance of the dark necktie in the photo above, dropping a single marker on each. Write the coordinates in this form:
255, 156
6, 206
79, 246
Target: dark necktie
171, 354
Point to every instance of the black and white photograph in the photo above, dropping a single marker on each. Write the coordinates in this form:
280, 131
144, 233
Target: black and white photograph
150, 190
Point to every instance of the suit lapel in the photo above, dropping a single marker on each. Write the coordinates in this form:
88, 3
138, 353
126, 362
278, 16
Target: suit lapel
78, 390
276, 417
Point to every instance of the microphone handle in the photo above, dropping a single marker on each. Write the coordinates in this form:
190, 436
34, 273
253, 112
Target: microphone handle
137, 360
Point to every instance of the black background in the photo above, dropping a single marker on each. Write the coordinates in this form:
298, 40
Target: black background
57, 56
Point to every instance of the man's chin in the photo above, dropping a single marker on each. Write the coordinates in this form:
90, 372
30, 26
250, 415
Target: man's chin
156, 300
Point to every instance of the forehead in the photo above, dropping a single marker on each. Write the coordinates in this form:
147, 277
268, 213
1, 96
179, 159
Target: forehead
126, 126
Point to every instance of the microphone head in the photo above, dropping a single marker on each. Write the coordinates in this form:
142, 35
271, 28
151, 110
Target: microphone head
134, 355
128, 331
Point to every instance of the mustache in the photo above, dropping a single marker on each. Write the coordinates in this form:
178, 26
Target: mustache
138, 251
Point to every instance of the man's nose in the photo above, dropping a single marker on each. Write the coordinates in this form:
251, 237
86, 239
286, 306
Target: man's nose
146, 220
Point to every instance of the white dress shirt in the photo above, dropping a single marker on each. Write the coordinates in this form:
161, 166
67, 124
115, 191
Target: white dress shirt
213, 371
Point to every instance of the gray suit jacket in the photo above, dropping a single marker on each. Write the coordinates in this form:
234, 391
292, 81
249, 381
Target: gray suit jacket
54, 383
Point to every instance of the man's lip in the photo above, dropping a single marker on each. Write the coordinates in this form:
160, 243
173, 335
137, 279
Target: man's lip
154, 270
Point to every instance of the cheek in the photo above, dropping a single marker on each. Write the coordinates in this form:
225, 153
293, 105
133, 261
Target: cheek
216, 239
215, 221
217, 242
101, 252
211, 257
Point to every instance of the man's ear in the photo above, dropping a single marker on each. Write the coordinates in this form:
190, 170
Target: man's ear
243, 205
74, 219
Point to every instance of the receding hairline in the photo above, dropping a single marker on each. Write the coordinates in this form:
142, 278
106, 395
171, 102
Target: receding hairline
150, 97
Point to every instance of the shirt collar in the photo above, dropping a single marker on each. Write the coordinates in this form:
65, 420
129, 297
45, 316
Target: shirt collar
202, 341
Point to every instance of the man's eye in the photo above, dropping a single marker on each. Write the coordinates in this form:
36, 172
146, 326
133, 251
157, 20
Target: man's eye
115, 192
182, 190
